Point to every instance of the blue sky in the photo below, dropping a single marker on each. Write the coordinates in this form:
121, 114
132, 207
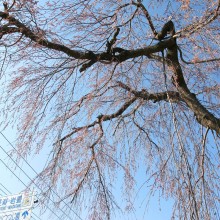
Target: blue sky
14, 180
15, 177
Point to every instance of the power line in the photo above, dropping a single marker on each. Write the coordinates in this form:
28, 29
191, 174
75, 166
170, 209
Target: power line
12, 172
29, 178
17, 178
5, 189
37, 174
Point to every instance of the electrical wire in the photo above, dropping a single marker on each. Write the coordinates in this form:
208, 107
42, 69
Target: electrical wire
30, 179
2, 191
19, 180
37, 174
5, 189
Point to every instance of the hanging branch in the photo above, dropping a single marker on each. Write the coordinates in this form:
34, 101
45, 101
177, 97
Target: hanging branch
146, 13
110, 43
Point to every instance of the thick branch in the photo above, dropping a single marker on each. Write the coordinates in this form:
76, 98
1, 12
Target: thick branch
203, 116
167, 28
124, 55
5, 29
32, 36
169, 96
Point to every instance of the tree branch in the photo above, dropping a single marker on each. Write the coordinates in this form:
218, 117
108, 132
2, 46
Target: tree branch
203, 116
5, 29
192, 28
101, 118
94, 57
146, 13
196, 61
155, 97
43, 42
